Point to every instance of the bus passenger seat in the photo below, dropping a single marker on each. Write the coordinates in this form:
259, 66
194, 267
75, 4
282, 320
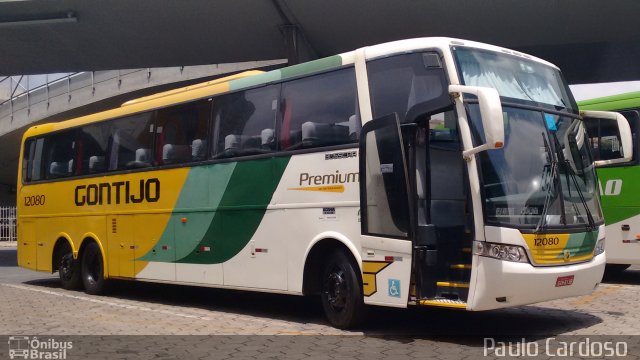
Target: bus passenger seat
318, 134
198, 149
172, 153
310, 136
143, 156
96, 163
59, 168
267, 139
168, 153
354, 126
231, 142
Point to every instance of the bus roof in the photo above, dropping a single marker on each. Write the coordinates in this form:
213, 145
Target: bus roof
615, 102
252, 78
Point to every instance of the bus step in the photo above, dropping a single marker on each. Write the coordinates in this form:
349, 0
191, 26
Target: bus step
452, 284
461, 266
457, 304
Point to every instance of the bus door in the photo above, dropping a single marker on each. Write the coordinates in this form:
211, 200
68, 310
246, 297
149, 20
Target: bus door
386, 216
443, 237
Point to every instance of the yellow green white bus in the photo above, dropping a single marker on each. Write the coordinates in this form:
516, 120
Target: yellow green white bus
619, 195
427, 172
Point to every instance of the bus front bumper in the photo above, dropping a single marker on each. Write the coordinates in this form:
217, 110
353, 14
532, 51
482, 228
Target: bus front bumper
500, 284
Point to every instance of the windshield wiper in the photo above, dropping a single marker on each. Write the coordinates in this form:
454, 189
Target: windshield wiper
553, 164
592, 223
570, 174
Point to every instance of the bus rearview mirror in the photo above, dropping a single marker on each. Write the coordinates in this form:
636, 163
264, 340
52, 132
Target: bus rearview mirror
626, 139
491, 113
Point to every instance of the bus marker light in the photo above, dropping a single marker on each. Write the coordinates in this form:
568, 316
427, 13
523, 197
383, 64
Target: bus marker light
498, 144
184, 220
165, 247
392, 258
262, 250
205, 248
638, 236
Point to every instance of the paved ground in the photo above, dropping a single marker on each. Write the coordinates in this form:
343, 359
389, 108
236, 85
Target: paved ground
249, 325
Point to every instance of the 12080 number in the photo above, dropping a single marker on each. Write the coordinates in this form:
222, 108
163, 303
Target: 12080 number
36, 200
547, 241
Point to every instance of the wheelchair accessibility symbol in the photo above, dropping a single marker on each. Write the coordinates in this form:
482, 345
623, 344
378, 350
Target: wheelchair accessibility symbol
394, 288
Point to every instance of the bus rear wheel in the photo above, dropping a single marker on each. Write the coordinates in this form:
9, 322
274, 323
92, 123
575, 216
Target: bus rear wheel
68, 268
93, 270
341, 294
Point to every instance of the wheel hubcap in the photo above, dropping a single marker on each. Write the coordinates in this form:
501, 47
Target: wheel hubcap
66, 266
94, 268
336, 289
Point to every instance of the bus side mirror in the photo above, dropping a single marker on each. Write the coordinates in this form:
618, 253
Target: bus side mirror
622, 125
491, 113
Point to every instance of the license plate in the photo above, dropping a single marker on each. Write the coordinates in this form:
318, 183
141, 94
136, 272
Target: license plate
564, 280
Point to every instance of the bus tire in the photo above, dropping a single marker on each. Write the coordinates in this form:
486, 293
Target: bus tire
615, 269
68, 268
93, 270
341, 294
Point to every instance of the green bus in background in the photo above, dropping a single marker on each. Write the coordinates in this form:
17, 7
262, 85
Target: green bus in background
618, 180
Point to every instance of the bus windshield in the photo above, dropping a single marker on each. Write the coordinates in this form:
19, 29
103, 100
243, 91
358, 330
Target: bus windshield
515, 78
544, 175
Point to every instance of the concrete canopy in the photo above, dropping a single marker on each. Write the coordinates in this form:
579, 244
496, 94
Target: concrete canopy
591, 40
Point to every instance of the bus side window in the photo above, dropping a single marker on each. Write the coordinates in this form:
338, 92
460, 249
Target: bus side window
60, 154
320, 110
131, 142
245, 122
94, 141
27, 159
181, 133
32, 160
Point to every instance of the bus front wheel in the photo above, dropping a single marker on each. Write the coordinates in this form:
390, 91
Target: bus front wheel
341, 294
68, 269
93, 270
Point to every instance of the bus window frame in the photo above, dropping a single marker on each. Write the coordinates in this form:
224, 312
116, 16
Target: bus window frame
210, 128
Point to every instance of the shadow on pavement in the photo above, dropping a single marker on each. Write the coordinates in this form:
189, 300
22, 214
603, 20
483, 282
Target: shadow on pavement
630, 276
392, 324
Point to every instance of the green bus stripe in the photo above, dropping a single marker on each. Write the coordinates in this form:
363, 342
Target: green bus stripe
580, 244
616, 102
252, 184
203, 188
267, 77
327, 63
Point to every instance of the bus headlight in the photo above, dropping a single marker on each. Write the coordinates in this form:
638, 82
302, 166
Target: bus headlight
500, 251
599, 247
